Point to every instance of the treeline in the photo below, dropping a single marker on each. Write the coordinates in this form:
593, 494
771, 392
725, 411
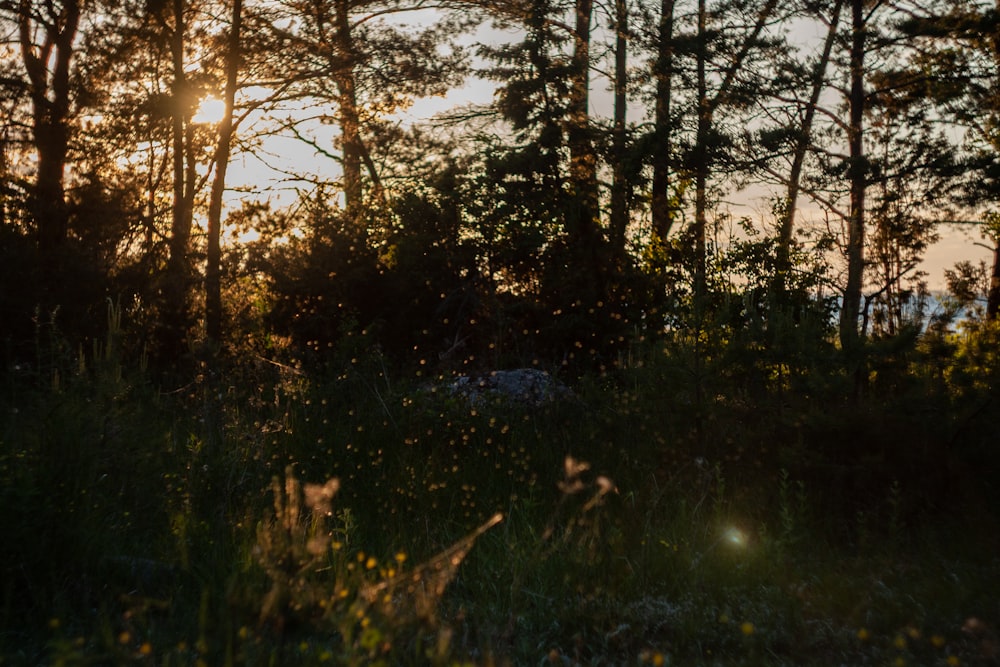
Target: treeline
532, 228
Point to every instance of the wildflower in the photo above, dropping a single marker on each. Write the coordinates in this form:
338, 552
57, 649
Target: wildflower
146, 649
124, 638
899, 642
747, 628
937, 641
864, 635
953, 661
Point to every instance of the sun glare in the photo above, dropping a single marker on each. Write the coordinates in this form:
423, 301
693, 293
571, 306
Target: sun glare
210, 111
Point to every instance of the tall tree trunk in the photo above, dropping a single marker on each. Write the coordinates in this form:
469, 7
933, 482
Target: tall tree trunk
619, 184
583, 221
701, 157
176, 315
213, 267
350, 123
660, 207
850, 311
993, 296
179, 232
47, 66
802, 144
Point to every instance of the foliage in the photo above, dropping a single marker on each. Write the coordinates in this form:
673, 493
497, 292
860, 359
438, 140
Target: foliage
671, 511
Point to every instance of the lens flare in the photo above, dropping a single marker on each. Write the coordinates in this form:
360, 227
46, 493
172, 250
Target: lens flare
734, 537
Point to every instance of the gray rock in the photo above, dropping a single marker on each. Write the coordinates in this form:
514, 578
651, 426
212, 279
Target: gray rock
525, 386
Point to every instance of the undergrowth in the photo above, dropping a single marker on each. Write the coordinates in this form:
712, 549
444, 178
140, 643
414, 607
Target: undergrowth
670, 512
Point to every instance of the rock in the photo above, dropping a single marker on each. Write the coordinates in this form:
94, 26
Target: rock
525, 386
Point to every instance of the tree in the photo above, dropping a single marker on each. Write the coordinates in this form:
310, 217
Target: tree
802, 142
173, 22
583, 218
545, 89
620, 183
47, 34
704, 76
727, 90
213, 287
911, 162
349, 55
963, 52
150, 93
661, 211
857, 175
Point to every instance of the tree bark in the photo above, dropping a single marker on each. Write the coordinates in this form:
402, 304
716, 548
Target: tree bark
993, 296
176, 316
619, 184
350, 122
701, 158
661, 210
213, 268
583, 216
47, 66
851, 307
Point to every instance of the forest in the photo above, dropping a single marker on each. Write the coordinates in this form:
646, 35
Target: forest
634, 360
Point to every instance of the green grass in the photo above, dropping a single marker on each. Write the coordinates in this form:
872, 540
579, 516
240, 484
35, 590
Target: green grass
166, 525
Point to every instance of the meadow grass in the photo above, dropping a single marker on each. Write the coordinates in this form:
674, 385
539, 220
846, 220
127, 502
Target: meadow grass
639, 522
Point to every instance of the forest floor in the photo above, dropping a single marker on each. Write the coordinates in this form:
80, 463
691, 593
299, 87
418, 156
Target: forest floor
285, 520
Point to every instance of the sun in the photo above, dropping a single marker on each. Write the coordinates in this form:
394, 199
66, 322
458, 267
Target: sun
210, 111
